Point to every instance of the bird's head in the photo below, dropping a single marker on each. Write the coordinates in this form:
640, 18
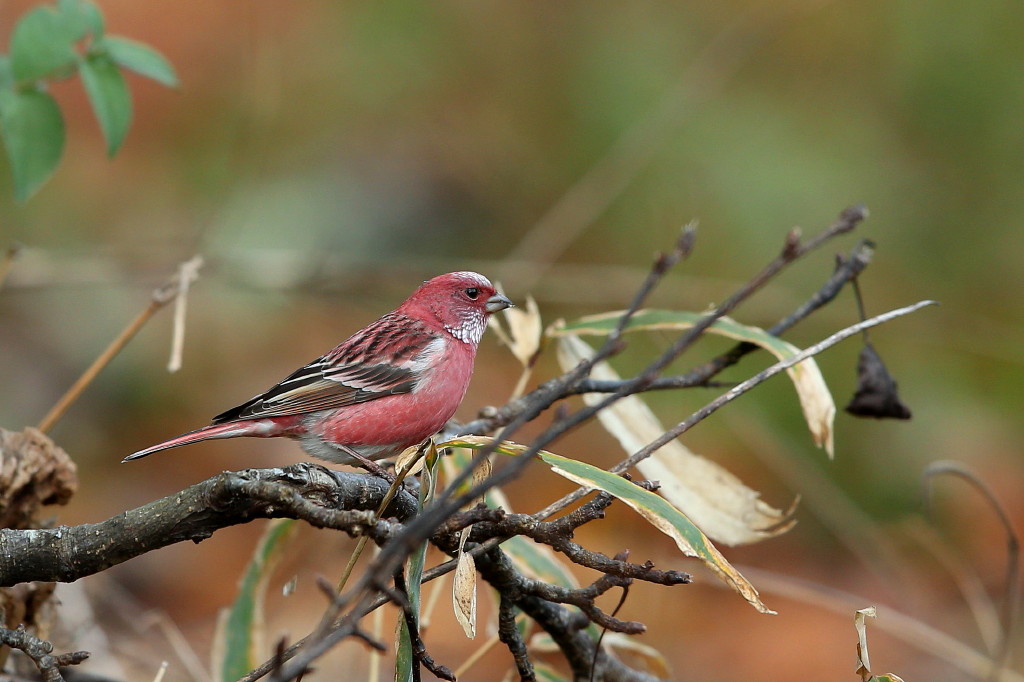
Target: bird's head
458, 302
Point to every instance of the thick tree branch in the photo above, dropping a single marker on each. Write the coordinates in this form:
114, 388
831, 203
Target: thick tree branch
323, 497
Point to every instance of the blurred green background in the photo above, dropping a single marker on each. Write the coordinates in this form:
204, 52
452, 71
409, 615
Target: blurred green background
325, 157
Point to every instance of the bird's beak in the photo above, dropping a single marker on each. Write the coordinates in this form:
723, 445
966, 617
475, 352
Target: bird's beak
498, 302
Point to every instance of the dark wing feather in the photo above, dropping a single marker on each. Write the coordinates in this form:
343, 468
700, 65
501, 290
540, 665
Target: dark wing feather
351, 373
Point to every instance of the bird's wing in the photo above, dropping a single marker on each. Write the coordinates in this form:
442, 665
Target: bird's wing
383, 359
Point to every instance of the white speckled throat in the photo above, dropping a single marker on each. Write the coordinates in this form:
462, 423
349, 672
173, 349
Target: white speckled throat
470, 328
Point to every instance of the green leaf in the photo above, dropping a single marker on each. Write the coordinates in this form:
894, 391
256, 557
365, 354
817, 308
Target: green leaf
43, 45
111, 101
82, 18
6, 77
139, 58
33, 134
815, 399
237, 641
654, 508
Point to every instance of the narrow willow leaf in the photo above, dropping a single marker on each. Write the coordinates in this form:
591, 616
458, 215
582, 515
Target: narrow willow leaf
33, 134
712, 497
663, 516
654, 508
238, 645
111, 101
140, 58
815, 399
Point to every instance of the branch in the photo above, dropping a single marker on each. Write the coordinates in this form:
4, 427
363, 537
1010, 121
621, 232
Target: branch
567, 628
733, 393
509, 635
509, 418
41, 652
554, 390
847, 271
323, 497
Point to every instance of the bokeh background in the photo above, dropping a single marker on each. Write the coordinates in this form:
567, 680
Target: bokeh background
325, 157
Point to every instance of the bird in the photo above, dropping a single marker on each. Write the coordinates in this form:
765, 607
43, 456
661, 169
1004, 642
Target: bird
391, 385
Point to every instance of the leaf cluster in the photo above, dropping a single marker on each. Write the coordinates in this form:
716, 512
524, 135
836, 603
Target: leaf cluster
55, 43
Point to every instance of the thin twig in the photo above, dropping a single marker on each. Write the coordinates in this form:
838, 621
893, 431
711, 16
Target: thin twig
188, 272
160, 297
733, 393
41, 653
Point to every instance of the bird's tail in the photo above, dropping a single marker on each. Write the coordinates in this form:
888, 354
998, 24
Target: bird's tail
229, 430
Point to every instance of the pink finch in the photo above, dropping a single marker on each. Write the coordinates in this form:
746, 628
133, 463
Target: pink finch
390, 385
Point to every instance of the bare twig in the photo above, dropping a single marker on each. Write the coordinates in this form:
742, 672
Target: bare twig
160, 297
41, 652
188, 272
847, 271
396, 482
732, 394
556, 389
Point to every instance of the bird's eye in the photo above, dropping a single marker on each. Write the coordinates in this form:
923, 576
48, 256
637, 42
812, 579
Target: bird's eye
473, 293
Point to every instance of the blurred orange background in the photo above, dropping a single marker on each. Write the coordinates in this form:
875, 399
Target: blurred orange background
326, 157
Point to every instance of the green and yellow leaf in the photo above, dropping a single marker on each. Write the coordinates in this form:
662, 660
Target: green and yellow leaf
654, 508
815, 399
